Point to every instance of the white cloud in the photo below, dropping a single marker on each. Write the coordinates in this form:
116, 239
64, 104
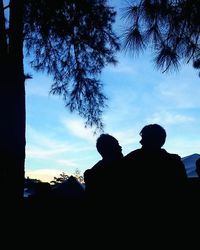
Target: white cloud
169, 118
180, 93
183, 146
126, 137
39, 152
42, 146
45, 138
77, 128
138, 95
66, 163
45, 175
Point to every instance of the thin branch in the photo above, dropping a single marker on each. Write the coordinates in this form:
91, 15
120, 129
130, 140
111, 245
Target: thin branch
6, 7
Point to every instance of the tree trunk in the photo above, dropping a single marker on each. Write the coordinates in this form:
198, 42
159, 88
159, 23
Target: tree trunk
12, 134
12, 109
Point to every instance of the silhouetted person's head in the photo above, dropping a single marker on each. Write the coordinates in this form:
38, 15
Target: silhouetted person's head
108, 147
198, 167
153, 136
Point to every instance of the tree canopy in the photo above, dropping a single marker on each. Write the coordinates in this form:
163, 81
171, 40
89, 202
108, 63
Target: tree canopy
62, 177
170, 27
72, 40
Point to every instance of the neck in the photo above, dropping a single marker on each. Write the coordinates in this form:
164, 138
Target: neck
111, 158
151, 148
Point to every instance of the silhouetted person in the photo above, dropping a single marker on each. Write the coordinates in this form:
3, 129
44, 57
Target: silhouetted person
156, 176
198, 167
101, 181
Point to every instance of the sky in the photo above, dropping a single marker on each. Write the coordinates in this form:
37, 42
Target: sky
138, 94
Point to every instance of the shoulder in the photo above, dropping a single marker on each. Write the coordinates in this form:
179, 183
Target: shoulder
175, 160
171, 156
90, 172
132, 154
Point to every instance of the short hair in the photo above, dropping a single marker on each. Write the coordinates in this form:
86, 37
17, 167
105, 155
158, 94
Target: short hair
104, 143
154, 135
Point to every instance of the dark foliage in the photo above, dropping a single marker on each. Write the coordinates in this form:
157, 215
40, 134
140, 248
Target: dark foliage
170, 28
72, 41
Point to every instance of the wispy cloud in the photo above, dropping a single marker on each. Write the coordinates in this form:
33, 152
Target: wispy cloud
71, 163
39, 152
169, 118
45, 146
180, 93
45, 175
183, 146
137, 94
128, 139
77, 128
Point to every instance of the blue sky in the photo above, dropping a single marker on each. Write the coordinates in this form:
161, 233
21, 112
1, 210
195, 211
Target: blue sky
138, 94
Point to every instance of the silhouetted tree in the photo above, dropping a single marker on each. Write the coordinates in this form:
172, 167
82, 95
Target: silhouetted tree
78, 176
62, 177
72, 40
170, 27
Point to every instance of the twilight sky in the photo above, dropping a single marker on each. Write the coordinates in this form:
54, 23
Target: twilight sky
137, 94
